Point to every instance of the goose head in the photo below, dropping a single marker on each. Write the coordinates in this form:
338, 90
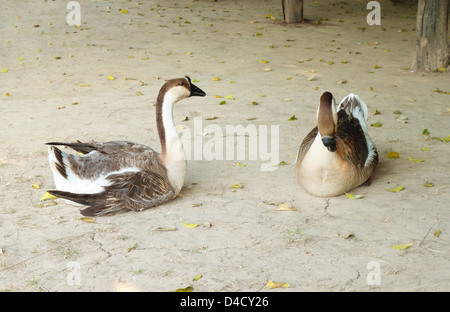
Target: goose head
178, 89
327, 121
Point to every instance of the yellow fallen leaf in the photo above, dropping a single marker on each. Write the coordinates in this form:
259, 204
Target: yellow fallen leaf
190, 225
196, 205
267, 69
272, 284
131, 248
216, 79
237, 186
47, 196
428, 184
36, 186
285, 207
403, 246
445, 140
392, 155
263, 61
4, 70
229, 97
442, 69
197, 277
353, 196
84, 85
186, 289
396, 189
437, 233
124, 11
282, 163
240, 165
87, 219
425, 149
416, 160
376, 125
111, 77
292, 118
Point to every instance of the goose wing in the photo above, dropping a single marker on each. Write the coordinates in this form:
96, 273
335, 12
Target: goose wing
107, 148
134, 191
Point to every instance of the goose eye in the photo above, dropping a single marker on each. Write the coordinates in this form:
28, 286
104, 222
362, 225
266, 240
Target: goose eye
182, 83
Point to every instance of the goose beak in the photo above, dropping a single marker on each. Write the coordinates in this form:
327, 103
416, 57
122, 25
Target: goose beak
196, 91
329, 142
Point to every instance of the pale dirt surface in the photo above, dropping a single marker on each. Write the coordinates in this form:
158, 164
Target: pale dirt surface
241, 242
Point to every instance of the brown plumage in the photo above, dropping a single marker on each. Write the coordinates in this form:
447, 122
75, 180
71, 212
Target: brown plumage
119, 176
338, 154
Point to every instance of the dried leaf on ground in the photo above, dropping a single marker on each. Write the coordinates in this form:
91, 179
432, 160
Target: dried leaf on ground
416, 160
190, 225
353, 196
396, 189
186, 289
403, 246
286, 206
47, 196
237, 186
272, 284
392, 155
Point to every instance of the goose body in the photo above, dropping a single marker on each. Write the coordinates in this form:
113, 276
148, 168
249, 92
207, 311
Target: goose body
338, 155
119, 176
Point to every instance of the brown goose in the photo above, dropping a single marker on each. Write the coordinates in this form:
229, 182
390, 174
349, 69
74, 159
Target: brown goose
337, 155
120, 176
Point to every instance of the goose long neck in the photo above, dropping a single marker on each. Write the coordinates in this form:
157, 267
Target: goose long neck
168, 136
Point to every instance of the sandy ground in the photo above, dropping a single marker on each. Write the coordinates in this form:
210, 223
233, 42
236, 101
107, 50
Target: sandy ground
54, 86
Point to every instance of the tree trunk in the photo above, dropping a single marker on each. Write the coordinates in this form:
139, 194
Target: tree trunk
292, 11
431, 46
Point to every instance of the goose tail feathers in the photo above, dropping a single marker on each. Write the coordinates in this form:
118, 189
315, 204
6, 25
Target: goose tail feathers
354, 106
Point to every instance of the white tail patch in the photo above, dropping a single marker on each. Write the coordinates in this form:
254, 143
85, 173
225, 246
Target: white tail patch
354, 105
75, 183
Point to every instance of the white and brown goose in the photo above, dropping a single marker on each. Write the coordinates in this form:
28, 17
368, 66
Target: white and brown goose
338, 155
120, 176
